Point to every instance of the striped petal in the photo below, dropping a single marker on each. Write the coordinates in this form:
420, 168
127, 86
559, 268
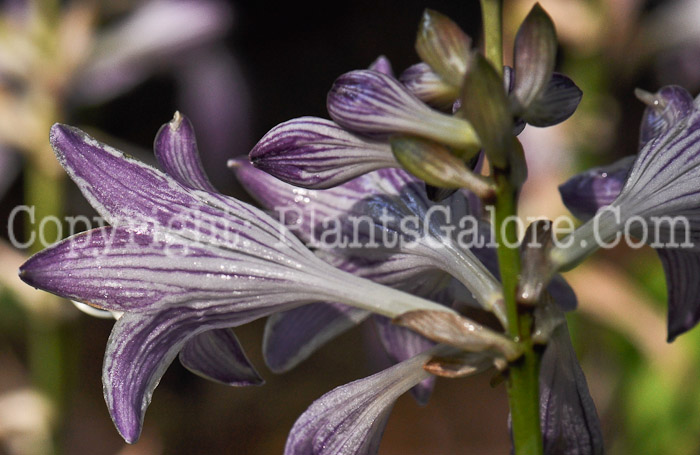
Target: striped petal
175, 148
428, 87
303, 210
682, 269
374, 104
292, 336
132, 269
372, 198
351, 418
569, 420
310, 152
139, 350
595, 188
217, 355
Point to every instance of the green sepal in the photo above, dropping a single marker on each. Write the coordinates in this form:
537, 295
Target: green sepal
444, 46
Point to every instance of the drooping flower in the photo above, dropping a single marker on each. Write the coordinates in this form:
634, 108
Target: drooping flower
351, 418
183, 264
654, 196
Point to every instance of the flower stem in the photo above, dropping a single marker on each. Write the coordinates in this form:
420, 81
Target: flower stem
48, 337
492, 17
523, 376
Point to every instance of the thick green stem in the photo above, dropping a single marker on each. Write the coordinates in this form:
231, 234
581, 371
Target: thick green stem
523, 377
492, 16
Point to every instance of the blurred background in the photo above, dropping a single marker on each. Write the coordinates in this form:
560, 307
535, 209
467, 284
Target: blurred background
119, 70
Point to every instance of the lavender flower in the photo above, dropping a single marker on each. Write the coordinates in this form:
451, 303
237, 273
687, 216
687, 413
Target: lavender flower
655, 196
180, 262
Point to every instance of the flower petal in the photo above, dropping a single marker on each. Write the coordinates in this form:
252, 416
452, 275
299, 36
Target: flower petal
681, 268
665, 109
401, 344
425, 84
374, 104
570, 424
128, 269
295, 206
140, 349
218, 356
585, 193
557, 102
316, 153
176, 151
292, 336
351, 418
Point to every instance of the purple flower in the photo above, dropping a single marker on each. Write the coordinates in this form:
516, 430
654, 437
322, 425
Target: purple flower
184, 264
351, 418
654, 196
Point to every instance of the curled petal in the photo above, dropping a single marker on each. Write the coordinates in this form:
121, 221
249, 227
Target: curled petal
664, 109
351, 418
374, 104
140, 349
218, 356
557, 102
316, 153
176, 151
569, 421
595, 188
425, 84
681, 268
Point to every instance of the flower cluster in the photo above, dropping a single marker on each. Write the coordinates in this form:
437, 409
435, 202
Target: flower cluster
370, 210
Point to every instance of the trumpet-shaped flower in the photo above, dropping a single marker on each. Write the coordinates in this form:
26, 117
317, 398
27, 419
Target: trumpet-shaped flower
656, 197
180, 261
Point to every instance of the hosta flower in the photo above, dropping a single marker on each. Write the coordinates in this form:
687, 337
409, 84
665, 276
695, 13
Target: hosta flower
437, 267
351, 418
425, 268
183, 264
656, 198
